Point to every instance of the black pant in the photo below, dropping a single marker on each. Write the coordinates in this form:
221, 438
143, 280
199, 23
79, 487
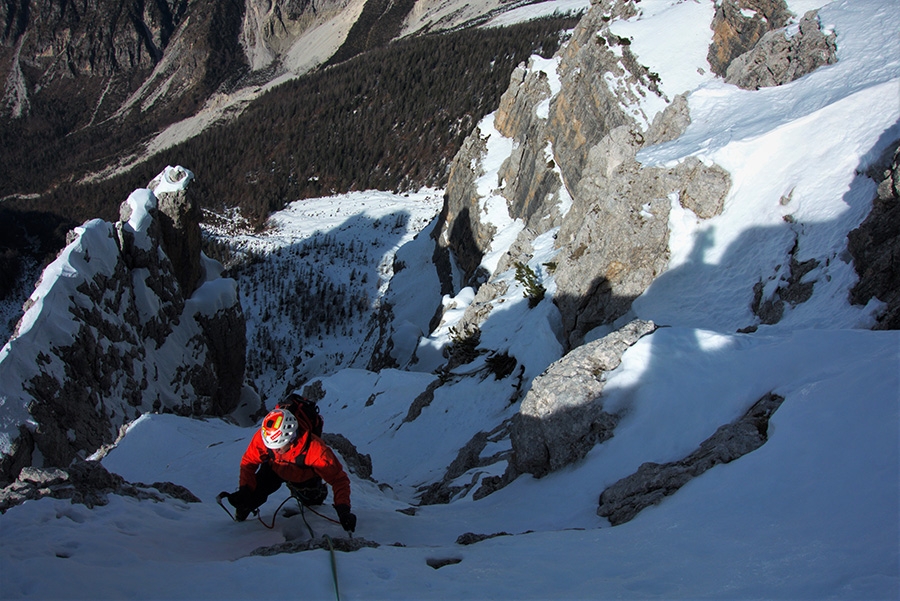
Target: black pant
308, 492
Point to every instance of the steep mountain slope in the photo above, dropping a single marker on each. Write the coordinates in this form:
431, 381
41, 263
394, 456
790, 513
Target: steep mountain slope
92, 127
142, 76
78, 73
545, 417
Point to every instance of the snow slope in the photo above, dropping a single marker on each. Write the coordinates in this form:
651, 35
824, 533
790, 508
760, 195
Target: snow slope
813, 514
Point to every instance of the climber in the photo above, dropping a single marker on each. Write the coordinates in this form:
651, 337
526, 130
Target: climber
287, 448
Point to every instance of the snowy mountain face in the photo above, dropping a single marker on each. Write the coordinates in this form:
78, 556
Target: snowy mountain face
130, 318
643, 345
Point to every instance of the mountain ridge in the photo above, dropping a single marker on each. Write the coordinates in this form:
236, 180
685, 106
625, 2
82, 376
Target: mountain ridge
594, 284
64, 173
509, 385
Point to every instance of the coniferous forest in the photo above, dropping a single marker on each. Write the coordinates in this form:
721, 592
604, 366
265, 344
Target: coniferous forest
391, 118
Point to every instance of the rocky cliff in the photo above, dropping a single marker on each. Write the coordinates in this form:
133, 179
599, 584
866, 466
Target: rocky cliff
130, 318
576, 124
572, 127
94, 59
875, 244
270, 29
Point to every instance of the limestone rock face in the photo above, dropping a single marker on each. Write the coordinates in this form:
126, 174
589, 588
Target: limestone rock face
601, 84
132, 36
562, 417
573, 125
203, 56
738, 25
552, 112
530, 174
460, 228
270, 27
107, 56
615, 236
110, 334
783, 55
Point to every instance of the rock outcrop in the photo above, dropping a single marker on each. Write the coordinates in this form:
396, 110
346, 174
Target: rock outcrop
653, 481
345, 545
562, 417
615, 237
554, 112
738, 25
87, 483
790, 290
575, 124
783, 55
875, 246
468, 458
356, 462
179, 224
110, 334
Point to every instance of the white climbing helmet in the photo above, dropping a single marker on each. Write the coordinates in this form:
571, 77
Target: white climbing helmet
279, 429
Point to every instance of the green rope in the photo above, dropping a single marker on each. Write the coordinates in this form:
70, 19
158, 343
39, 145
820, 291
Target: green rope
337, 592
312, 535
334, 578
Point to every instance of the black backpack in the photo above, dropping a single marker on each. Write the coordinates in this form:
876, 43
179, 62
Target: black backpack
306, 412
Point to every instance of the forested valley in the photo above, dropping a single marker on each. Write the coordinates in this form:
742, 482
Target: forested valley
391, 118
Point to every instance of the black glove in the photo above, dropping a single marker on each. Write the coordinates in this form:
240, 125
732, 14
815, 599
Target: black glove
241, 498
348, 520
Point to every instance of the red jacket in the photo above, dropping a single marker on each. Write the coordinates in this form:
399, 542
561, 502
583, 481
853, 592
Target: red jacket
292, 466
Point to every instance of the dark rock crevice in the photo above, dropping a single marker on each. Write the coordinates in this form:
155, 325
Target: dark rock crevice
468, 458
875, 244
